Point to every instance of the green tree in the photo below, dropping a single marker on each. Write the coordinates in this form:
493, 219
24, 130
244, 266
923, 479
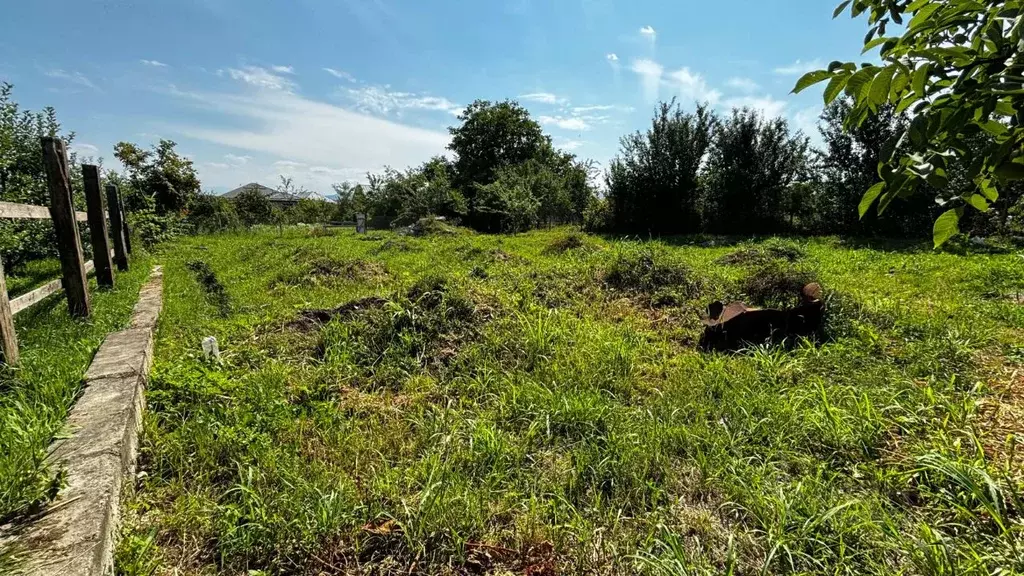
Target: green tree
492, 136
956, 64
849, 166
211, 213
254, 208
160, 178
750, 166
653, 182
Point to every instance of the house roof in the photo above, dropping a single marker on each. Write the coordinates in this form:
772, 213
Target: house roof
274, 195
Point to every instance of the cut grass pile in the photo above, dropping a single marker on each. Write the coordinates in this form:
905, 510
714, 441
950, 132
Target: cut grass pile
36, 396
514, 404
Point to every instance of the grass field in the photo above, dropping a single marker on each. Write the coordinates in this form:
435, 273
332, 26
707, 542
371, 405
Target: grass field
35, 397
537, 404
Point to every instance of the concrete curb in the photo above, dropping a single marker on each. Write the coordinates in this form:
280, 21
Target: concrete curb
77, 533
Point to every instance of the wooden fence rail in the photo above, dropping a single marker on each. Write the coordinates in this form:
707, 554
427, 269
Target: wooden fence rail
74, 269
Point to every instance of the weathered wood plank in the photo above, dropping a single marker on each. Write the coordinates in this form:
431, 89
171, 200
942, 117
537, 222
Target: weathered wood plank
96, 204
15, 211
8, 337
29, 299
62, 212
117, 227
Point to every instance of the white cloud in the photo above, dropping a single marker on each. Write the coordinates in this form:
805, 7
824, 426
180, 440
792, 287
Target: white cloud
569, 145
340, 74
612, 57
235, 160
601, 108
283, 69
766, 105
261, 78
574, 123
800, 67
806, 120
72, 77
83, 149
382, 101
692, 86
316, 142
153, 63
650, 77
543, 98
648, 32
742, 84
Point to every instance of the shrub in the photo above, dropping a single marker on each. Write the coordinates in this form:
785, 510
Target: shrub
776, 283
646, 269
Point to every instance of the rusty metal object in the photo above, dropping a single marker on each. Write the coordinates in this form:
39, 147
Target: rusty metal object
734, 325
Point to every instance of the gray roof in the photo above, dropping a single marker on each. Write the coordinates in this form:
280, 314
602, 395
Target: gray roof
274, 195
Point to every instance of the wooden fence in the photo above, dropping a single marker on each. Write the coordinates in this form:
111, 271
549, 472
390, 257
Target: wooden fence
74, 268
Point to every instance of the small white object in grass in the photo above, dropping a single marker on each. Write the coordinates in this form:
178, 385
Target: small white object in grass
210, 348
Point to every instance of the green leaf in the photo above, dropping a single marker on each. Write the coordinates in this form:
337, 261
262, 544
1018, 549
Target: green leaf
946, 226
1010, 171
879, 92
857, 84
978, 202
994, 128
988, 190
810, 79
898, 84
923, 14
920, 78
835, 87
869, 198
876, 42
839, 9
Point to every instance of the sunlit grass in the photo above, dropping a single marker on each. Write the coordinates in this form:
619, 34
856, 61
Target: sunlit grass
530, 402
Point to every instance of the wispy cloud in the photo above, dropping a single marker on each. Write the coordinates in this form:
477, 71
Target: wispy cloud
799, 67
283, 69
692, 86
260, 78
612, 57
742, 84
569, 145
806, 120
766, 105
83, 149
153, 63
340, 74
383, 101
323, 142
574, 123
72, 77
650, 77
543, 98
601, 108
649, 33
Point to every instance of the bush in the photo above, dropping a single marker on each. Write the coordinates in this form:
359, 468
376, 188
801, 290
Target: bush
150, 228
647, 269
213, 214
776, 283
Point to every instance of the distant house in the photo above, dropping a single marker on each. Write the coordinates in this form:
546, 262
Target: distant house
276, 197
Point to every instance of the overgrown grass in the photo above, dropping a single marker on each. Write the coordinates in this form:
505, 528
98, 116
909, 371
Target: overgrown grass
36, 396
516, 404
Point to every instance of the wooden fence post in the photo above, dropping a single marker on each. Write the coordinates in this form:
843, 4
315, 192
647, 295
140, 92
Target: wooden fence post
117, 227
62, 211
127, 232
95, 205
8, 337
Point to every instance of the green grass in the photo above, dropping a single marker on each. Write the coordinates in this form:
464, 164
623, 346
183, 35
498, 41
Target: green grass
536, 404
31, 275
35, 396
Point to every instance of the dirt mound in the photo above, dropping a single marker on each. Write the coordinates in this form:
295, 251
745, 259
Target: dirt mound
766, 252
328, 270
314, 317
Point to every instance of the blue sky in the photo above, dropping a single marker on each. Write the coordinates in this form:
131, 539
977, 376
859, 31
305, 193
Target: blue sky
326, 90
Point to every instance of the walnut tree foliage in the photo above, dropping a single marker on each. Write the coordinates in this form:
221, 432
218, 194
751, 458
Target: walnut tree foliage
957, 67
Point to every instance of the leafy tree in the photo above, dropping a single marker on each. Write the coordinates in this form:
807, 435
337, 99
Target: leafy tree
23, 177
653, 182
253, 207
400, 198
956, 64
490, 137
750, 166
510, 203
849, 166
159, 178
312, 211
210, 213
